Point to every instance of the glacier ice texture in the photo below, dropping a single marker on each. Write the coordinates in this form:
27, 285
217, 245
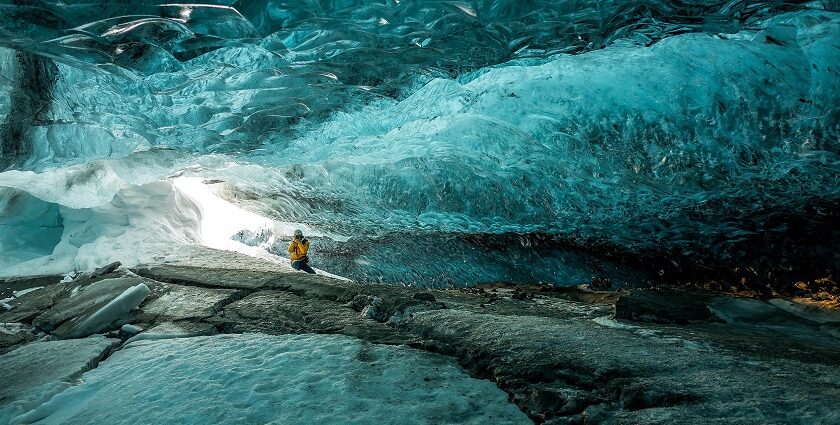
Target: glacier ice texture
431, 143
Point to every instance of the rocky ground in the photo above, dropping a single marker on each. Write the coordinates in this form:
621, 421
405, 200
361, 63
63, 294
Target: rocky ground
563, 355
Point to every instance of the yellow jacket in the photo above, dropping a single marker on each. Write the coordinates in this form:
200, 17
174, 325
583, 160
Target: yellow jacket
298, 249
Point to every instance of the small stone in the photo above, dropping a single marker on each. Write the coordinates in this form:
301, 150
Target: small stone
600, 283
102, 271
131, 330
595, 414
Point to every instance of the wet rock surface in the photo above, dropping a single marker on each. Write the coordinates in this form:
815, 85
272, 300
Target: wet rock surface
663, 307
563, 355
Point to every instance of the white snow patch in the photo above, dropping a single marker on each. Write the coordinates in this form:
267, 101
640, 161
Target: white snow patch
136, 226
220, 219
107, 216
609, 322
290, 379
79, 186
11, 328
25, 291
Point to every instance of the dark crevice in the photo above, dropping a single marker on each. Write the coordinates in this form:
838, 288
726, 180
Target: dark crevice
30, 102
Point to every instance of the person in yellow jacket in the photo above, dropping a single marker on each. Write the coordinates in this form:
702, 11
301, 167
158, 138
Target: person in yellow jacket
298, 249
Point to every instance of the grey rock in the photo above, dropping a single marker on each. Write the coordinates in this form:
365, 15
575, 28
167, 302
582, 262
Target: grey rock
640, 396
65, 317
15, 334
747, 310
279, 312
424, 296
299, 283
812, 311
26, 307
208, 278
180, 302
658, 307
558, 355
594, 415
93, 275
7, 287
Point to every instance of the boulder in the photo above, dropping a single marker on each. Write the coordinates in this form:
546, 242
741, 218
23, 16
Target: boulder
663, 307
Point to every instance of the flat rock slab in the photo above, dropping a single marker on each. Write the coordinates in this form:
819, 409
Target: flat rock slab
748, 310
813, 311
7, 287
209, 278
320, 286
28, 306
278, 312
209, 258
35, 372
188, 302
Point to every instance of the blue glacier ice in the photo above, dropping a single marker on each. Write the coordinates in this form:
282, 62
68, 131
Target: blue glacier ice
426, 142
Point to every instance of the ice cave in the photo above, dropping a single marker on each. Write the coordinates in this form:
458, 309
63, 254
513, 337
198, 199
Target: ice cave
420, 212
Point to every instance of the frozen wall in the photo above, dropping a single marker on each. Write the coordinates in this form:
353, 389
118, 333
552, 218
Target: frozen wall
450, 142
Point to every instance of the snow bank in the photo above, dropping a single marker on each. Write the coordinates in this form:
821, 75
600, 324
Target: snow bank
137, 224
55, 226
254, 378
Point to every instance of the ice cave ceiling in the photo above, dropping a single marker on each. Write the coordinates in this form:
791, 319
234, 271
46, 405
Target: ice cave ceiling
432, 142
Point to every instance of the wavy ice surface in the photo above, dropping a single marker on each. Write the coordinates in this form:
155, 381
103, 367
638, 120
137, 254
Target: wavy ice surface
294, 379
451, 142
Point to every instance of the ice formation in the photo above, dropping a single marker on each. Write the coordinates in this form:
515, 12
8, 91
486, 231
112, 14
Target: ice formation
33, 374
433, 143
116, 309
292, 379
